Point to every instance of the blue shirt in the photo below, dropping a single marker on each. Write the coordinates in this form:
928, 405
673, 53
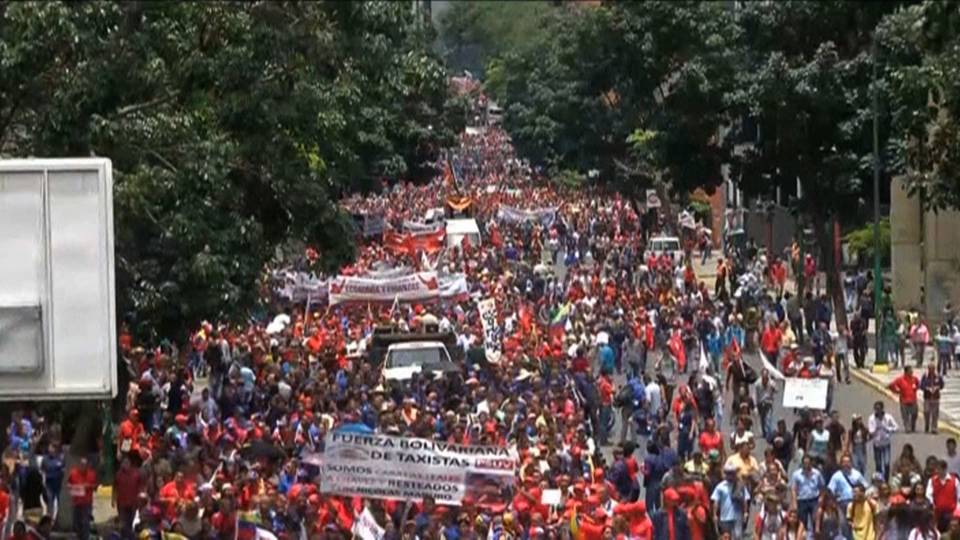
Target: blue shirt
841, 486
639, 391
807, 487
715, 344
607, 359
728, 508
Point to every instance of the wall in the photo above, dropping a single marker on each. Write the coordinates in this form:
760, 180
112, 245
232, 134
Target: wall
906, 239
925, 253
784, 228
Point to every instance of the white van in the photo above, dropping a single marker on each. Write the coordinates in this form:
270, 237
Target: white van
457, 229
664, 244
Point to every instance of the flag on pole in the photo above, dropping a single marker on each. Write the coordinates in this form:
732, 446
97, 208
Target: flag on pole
396, 304
575, 526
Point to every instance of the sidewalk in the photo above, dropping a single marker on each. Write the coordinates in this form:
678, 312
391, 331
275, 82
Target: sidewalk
949, 397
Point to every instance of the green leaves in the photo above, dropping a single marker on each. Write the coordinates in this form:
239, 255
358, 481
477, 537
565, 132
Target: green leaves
233, 127
921, 48
573, 102
809, 96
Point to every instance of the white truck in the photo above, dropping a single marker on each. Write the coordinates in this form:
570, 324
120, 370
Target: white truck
58, 336
403, 360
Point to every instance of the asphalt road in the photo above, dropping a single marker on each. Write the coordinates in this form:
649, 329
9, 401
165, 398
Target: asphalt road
855, 398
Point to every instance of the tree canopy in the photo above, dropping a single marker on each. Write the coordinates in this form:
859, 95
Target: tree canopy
474, 33
921, 61
232, 127
634, 91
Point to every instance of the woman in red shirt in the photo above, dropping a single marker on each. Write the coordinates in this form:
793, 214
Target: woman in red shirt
710, 438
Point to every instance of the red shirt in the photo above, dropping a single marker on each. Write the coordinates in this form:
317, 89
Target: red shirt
710, 441
697, 519
906, 387
82, 484
606, 391
127, 484
130, 431
771, 340
171, 495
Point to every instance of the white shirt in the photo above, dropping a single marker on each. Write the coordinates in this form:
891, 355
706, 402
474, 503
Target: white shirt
881, 430
653, 396
953, 464
917, 535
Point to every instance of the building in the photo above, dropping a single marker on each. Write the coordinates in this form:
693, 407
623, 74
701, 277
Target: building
925, 255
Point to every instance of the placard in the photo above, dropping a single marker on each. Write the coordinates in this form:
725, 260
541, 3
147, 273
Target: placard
653, 200
367, 528
492, 332
805, 393
551, 497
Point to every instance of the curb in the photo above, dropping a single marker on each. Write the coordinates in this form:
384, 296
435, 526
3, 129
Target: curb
878, 386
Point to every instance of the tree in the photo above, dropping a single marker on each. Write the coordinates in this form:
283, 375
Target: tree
232, 127
474, 33
921, 61
809, 94
611, 72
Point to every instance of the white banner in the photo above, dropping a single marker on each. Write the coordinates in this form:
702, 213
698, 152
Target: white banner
297, 286
805, 393
417, 287
492, 332
367, 528
453, 285
400, 468
772, 369
544, 216
416, 226
388, 273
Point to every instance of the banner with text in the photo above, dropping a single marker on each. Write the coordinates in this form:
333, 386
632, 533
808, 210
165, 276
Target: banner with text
544, 216
420, 227
400, 468
417, 287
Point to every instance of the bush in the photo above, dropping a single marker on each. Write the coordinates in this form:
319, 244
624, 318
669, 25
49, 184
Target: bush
860, 241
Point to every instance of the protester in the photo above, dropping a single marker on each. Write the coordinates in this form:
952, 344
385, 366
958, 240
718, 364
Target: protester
225, 429
82, 482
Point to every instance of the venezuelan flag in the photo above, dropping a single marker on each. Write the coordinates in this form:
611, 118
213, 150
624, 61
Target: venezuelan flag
559, 320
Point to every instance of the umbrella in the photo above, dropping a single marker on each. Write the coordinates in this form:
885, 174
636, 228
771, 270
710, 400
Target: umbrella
355, 427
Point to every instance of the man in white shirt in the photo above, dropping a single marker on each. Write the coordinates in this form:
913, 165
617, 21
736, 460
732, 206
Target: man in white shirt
881, 426
654, 396
953, 458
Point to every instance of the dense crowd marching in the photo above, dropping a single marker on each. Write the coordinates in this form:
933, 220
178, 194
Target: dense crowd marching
622, 384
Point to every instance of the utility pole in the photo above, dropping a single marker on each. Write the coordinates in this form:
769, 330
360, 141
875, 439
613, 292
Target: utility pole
877, 276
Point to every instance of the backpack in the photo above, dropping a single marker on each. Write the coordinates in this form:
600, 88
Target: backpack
624, 397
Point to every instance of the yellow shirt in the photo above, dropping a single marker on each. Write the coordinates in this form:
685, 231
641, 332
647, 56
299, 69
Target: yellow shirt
745, 467
861, 517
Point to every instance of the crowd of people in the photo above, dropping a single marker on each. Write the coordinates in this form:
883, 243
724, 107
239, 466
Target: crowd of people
622, 384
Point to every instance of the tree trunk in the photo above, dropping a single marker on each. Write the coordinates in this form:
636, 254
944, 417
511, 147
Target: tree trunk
825, 243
